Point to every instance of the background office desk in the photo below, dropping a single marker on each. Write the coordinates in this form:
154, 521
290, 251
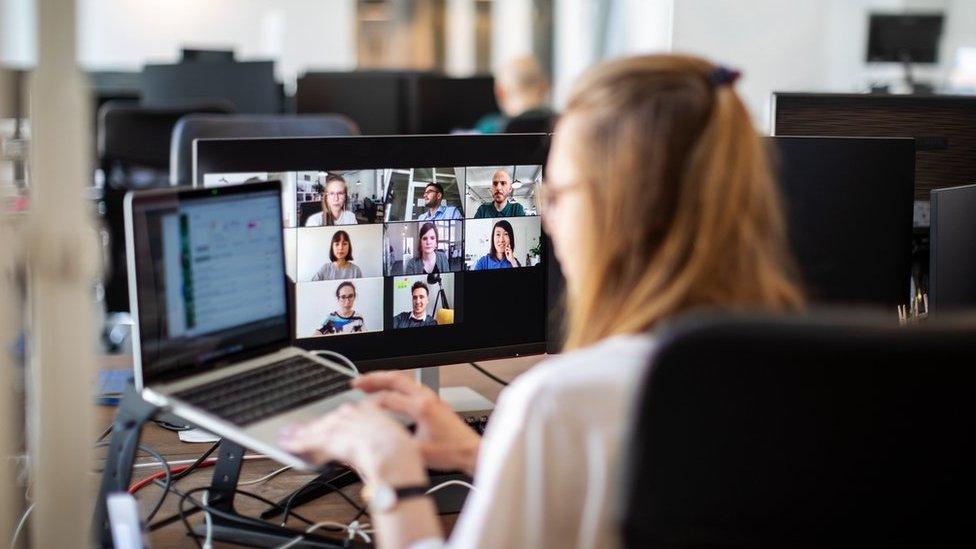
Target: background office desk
332, 507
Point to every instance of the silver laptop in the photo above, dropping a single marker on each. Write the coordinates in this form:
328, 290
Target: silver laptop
212, 334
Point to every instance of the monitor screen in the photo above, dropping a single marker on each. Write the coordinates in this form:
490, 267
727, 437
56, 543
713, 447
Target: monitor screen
904, 38
208, 277
405, 251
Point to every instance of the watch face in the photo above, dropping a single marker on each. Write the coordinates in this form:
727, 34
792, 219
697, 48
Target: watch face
383, 498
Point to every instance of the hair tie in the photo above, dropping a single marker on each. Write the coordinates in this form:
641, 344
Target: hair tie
723, 76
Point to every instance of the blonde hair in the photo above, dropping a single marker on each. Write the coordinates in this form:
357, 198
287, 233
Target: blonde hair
684, 211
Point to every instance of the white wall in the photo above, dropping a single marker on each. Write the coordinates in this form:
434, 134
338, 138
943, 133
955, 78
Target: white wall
816, 45
298, 34
18, 33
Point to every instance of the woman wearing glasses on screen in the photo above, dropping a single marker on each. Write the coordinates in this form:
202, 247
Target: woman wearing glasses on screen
340, 263
657, 152
501, 255
334, 197
427, 258
344, 319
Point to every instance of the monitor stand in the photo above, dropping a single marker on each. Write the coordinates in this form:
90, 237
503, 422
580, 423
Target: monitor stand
460, 399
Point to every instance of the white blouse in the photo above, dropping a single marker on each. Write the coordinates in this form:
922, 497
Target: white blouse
549, 465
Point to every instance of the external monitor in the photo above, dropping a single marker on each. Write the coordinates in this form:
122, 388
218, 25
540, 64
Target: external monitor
248, 87
952, 249
904, 38
944, 128
848, 205
439, 268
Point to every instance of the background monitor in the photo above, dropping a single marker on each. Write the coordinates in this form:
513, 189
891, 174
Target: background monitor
481, 312
904, 38
375, 100
952, 249
248, 87
442, 104
848, 206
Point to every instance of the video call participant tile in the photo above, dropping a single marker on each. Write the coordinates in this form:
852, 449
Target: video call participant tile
339, 307
424, 247
501, 191
332, 253
502, 243
423, 301
423, 194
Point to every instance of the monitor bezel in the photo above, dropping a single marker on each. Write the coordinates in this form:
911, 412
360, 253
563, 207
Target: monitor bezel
289, 154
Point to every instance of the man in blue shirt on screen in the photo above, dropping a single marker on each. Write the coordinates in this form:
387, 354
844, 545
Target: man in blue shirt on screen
437, 207
501, 190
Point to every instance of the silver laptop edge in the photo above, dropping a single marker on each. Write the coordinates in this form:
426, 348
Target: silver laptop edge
160, 395
130, 260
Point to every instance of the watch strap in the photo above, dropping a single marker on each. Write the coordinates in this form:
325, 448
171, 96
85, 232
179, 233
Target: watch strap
410, 492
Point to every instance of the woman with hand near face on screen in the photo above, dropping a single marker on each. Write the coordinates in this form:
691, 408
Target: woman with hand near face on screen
688, 217
427, 258
502, 252
334, 197
340, 263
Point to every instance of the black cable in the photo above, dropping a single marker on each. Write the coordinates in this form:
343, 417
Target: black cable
184, 496
105, 433
162, 523
287, 511
167, 485
489, 375
193, 466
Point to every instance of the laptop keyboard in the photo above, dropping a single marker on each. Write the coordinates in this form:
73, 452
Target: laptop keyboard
267, 391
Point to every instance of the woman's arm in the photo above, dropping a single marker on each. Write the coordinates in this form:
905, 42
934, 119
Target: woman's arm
383, 453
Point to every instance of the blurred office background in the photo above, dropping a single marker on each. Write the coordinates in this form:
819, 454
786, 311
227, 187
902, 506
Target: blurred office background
818, 45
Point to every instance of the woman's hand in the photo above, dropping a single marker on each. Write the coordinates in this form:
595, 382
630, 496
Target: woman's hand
364, 436
510, 255
445, 441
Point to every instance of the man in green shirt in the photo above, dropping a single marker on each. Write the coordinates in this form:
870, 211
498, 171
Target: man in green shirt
501, 190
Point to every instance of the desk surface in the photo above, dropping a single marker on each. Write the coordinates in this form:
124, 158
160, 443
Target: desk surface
332, 507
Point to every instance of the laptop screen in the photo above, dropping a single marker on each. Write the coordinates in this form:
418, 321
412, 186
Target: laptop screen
209, 278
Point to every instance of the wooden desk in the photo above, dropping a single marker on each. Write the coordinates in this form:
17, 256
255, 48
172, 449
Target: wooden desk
332, 507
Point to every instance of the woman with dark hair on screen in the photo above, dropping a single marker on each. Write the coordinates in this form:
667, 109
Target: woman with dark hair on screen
659, 199
501, 255
427, 258
340, 263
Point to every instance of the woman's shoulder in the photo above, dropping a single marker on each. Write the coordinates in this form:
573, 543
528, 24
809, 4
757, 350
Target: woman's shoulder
347, 218
614, 365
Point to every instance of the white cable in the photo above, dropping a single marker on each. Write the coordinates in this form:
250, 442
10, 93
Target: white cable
208, 541
155, 464
265, 478
450, 483
20, 525
340, 357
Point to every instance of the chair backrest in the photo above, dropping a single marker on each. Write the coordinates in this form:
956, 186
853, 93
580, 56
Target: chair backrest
133, 152
201, 126
534, 121
816, 432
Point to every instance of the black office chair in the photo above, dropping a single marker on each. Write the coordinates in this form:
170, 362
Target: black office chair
133, 153
819, 432
533, 121
199, 126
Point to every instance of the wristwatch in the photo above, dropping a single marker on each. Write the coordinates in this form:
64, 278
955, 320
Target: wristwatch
382, 498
